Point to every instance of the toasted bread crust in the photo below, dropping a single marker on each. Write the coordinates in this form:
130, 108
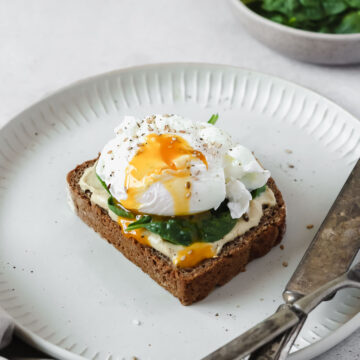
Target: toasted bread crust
191, 284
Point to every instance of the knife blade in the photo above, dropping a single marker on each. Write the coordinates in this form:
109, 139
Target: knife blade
330, 254
335, 245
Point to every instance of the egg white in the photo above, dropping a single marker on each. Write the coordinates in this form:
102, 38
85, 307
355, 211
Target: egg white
232, 169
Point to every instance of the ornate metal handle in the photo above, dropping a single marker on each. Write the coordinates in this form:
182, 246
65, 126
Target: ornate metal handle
287, 317
279, 349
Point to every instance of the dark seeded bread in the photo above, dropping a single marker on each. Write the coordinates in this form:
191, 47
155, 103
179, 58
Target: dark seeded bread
189, 284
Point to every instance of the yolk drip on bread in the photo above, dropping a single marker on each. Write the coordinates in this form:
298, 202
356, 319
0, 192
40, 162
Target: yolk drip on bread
194, 254
162, 158
138, 234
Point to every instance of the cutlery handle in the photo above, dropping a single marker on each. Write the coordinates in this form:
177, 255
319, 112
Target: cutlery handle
280, 347
257, 336
283, 326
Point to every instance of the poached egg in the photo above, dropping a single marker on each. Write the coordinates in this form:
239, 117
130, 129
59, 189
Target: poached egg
167, 165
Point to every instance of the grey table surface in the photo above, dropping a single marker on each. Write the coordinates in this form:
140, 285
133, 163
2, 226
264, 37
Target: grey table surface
47, 44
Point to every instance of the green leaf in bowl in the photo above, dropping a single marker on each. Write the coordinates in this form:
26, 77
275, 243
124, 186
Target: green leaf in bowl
334, 7
354, 3
350, 24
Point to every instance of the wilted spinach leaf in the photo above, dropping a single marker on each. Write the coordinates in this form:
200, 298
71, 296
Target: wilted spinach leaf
257, 192
139, 223
177, 231
116, 208
217, 224
103, 184
114, 205
209, 227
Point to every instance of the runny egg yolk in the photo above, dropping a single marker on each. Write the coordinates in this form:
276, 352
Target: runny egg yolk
164, 158
193, 254
137, 234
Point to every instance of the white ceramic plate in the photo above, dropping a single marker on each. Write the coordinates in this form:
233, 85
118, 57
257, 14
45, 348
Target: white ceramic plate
73, 295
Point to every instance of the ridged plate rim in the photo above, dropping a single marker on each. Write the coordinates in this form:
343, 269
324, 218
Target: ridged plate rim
311, 350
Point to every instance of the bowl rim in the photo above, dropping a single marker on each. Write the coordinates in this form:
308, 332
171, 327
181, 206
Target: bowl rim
305, 33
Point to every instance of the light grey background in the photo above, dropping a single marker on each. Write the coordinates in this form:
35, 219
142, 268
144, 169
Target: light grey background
46, 44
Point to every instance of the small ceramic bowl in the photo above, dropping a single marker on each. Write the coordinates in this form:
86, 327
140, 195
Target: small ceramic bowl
303, 45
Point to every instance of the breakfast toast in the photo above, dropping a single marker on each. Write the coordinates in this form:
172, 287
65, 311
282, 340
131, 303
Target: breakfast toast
187, 284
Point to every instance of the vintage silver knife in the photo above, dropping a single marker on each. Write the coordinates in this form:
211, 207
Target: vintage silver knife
330, 254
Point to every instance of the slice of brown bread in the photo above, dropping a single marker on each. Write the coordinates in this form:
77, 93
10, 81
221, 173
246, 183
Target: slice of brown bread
187, 284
